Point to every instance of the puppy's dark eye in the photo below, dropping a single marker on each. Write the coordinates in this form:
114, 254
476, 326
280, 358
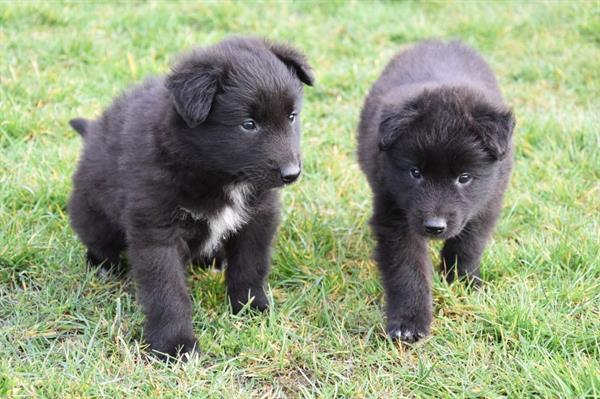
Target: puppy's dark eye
464, 178
292, 117
415, 173
249, 125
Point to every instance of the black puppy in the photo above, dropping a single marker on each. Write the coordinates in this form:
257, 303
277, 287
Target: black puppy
182, 167
435, 145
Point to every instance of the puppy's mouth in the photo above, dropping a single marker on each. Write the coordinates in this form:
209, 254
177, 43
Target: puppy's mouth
290, 182
267, 179
433, 236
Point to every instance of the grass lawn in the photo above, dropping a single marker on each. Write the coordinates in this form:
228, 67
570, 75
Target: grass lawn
533, 330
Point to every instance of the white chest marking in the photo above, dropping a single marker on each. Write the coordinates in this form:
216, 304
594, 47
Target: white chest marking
226, 220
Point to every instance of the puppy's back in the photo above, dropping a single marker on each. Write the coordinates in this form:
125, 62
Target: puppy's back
107, 141
429, 64
437, 62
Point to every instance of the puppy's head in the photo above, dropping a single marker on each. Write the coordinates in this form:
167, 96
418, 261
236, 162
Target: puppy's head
441, 155
237, 109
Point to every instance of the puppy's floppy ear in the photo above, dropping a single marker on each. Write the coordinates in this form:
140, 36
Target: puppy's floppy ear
295, 60
193, 86
80, 125
494, 127
394, 122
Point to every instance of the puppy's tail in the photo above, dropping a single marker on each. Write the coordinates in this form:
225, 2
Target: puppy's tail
80, 125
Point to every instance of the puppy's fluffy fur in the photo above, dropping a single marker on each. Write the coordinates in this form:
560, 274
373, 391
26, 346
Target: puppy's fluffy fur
184, 166
435, 145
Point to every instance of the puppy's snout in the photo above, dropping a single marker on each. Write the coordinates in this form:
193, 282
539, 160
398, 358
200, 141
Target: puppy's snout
435, 226
289, 173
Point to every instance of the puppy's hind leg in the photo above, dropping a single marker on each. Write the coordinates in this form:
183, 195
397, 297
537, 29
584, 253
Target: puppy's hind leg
104, 240
105, 250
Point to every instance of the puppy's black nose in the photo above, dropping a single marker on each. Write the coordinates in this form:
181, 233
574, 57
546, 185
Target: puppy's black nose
434, 226
289, 173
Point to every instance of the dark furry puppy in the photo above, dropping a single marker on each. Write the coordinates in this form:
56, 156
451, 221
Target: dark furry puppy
435, 144
184, 166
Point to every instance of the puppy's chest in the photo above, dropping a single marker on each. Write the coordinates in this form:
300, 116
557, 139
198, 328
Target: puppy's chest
219, 221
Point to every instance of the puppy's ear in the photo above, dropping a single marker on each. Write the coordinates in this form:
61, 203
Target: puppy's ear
394, 122
80, 125
294, 60
494, 128
193, 87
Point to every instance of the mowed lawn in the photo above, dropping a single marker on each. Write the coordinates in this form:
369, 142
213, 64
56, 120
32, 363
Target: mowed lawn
532, 331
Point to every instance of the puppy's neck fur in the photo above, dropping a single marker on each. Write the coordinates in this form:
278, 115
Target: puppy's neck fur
227, 219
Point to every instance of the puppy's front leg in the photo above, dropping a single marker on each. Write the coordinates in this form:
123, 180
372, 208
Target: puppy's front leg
461, 255
249, 258
406, 274
160, 277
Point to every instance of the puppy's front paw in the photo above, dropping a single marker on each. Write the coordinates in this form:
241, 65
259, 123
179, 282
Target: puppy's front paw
256, 297
173, 347
468, 275
407, 330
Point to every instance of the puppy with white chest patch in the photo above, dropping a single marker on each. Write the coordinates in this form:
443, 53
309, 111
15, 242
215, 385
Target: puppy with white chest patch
184, 167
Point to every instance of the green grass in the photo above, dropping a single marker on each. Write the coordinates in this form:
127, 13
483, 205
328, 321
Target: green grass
531, 331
